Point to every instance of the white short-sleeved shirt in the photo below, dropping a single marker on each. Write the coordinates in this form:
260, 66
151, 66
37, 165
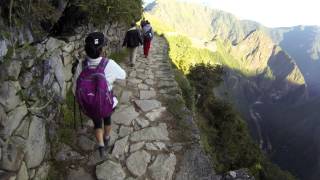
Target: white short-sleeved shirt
112, 72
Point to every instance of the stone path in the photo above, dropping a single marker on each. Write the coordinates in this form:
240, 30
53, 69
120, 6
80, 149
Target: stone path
140, 147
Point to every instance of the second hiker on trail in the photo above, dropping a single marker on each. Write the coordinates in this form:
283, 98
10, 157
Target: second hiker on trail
93, 88
132, 41
147, 37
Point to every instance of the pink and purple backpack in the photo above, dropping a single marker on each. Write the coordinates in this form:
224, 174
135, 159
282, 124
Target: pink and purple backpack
92, 92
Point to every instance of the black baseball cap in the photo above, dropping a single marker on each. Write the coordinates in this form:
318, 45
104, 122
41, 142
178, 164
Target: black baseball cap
96, 39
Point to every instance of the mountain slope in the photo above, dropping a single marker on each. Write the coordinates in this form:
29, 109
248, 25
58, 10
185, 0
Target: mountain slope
264, 79
303, 44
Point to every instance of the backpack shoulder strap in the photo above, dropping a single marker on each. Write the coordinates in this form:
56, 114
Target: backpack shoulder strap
85, 64
102, 65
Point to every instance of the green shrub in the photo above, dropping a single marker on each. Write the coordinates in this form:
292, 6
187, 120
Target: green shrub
120, 56
188, 91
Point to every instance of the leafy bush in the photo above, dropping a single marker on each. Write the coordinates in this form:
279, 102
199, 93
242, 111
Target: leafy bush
120, 10
51, 16
188, 92
120, 56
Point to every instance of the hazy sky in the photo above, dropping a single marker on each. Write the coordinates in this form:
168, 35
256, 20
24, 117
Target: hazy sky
272, 13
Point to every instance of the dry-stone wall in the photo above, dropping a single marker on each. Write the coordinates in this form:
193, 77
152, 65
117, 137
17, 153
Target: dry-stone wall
34, 80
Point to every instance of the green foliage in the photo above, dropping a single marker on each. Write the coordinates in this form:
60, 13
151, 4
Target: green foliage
204, 77
17, 12
188, 92
42, 16
66, 130
176, 106
120, 56
120, 10
184, 54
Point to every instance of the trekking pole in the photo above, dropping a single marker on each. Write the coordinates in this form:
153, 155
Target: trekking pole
80, 117
74, 112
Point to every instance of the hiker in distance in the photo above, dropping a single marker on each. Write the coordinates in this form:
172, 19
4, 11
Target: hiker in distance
132, 41
147, 37
93, 88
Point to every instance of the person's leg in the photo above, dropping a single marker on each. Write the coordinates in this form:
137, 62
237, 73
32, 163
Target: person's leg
145, 48
107, 127
148, 45
134, 55
130, 55
99, 135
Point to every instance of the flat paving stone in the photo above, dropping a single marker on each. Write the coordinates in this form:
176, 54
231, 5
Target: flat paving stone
120, 147
147, 94
142, 122
163, 167
125, 116
155, 114
148, 105
110, 170
137, 162
151, 134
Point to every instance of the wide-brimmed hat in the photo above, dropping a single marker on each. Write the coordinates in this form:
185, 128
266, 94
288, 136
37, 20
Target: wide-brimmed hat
96, 39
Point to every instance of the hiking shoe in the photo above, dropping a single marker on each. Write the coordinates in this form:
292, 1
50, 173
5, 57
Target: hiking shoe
101, 151
106, 142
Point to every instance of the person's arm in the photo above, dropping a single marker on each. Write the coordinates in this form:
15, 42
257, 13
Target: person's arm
125, 40
140, 38
116, 70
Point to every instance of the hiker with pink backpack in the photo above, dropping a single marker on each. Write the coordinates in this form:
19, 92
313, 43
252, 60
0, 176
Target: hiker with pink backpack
93, 87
